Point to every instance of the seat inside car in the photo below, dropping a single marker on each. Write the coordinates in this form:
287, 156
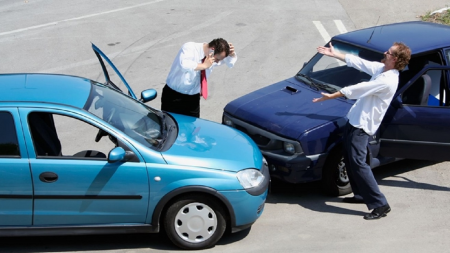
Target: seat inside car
418, 92
43, 131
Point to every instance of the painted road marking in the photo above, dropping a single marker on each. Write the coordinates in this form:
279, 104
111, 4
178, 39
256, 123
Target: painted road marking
326, 37
77, 18
323, 32
340, 26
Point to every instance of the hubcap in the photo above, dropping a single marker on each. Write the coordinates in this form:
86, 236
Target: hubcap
195, 222
342, 173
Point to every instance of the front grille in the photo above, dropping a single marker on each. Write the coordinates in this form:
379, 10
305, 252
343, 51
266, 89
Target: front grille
257, 138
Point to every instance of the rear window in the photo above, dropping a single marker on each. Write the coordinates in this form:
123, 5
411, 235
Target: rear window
9, 146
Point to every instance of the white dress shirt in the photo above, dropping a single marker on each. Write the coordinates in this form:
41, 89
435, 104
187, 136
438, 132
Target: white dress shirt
182, 76
373, 96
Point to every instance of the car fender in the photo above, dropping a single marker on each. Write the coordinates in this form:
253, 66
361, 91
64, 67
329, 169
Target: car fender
164, 201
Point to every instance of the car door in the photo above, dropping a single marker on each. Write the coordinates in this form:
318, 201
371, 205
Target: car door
73, 182
16, 192
416, 125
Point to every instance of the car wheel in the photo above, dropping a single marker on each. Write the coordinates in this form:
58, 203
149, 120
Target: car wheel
334, 175
194, 222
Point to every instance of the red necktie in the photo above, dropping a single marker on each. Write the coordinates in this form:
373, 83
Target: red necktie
203, 83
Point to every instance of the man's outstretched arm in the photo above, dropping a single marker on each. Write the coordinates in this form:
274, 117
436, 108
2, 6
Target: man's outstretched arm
329, 51
326, 96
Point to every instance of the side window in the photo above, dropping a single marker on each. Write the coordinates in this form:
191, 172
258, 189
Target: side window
9, 146
61, 136
427, 90
447, 55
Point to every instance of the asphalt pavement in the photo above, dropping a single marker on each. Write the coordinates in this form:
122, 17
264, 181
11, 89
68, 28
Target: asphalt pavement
273, 39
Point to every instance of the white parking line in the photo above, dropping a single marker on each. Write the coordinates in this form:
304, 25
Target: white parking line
340, 26
78, 18
326, 37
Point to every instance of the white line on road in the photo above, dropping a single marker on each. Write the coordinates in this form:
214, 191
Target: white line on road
322, 31
78, 18
340, 26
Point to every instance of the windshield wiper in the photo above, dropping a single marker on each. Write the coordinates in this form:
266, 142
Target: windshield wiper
318, 85
326, 87
311, 83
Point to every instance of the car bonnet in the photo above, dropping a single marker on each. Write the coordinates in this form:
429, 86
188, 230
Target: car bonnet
202, 143
286, 108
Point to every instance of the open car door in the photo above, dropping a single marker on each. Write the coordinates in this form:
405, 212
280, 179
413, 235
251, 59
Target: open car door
416, 124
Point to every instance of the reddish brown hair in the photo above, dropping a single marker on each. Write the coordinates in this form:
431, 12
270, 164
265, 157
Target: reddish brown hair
403, 54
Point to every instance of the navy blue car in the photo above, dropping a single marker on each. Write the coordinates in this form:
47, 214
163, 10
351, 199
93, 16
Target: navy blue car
302, 141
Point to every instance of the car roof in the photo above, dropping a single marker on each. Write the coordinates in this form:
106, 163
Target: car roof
47, 88
419, 36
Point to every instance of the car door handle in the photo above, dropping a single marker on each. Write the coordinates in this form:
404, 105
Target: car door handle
48, 177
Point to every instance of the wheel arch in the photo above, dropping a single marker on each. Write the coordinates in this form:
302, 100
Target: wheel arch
165, 202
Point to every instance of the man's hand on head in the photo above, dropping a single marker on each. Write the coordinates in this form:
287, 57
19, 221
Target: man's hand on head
232, 54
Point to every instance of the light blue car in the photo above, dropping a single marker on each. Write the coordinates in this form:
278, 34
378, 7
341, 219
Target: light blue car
81, 157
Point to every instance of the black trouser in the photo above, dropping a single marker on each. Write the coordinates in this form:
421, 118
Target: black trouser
360, 174
176, 102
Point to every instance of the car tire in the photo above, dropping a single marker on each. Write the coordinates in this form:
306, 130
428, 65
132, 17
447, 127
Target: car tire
335, 180
194, 222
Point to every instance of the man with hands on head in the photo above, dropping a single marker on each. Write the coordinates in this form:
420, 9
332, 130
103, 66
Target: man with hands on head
183, 88
364, 118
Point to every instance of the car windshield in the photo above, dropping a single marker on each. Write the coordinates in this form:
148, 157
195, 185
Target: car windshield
126, 114
330, 74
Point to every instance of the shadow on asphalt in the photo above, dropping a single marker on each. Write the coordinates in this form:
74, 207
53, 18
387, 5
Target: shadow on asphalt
100, 242
307, 195
310, 195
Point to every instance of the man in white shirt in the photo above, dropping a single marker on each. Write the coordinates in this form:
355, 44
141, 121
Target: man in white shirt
182, 91
364, 118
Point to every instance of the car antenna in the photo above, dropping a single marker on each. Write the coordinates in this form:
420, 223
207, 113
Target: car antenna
373, 30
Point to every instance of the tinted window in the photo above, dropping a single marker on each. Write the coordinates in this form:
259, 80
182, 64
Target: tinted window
8, 136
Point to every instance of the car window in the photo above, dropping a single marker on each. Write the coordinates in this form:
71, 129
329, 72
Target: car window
9, 146
126, 114
427, 90
56, 135
447, 55
330, 71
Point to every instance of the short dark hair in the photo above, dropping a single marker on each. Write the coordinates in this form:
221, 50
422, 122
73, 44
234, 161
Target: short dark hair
220, 45
403, 54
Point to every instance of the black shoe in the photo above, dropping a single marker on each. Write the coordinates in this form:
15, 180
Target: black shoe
378, 212
353, 200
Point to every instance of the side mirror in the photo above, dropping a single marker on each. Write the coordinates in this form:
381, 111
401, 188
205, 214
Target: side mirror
148, 95
116, 154
397, 102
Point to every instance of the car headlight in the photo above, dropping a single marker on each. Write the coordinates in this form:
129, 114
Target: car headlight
289, 147
250, 178
227, 121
